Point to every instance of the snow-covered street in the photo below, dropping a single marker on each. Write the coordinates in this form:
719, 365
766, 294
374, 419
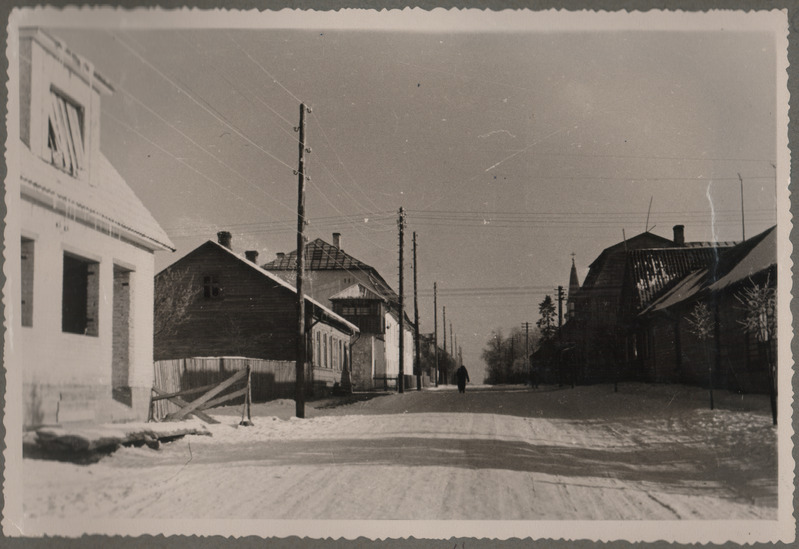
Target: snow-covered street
647, 452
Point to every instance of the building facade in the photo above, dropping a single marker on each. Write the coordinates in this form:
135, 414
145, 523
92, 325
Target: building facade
235, 308
357, 292
81, 315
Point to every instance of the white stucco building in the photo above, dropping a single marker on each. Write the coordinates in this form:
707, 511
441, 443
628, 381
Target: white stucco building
79, 250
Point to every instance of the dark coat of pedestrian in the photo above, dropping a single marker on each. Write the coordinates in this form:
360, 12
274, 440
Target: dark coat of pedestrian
462, 374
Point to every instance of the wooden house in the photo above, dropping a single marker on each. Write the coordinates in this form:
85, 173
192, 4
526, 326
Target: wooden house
357, 292
736, 356
597, 326
79, 249
236, 308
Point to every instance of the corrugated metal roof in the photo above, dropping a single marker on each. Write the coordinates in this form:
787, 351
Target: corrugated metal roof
653, 271
735, 265
105, 198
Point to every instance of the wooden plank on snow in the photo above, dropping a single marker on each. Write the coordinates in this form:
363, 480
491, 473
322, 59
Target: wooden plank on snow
195, 404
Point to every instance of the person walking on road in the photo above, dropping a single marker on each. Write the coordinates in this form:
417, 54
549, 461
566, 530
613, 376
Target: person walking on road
463, 376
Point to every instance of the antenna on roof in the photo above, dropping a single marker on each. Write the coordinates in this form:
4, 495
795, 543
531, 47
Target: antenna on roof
646, 228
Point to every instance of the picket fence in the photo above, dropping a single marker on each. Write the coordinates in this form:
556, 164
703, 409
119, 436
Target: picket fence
271, 379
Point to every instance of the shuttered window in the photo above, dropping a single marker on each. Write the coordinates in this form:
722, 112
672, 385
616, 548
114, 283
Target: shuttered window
65, 134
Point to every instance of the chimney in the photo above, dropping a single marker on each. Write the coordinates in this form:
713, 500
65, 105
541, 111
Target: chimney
679, 235
251, 255
337, 240
224, 238
281, 255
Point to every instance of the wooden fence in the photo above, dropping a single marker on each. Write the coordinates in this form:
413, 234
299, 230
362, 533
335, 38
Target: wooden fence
270, 379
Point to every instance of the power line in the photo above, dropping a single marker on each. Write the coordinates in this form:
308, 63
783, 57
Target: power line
275, 80
218, 117
330, 144
203, 149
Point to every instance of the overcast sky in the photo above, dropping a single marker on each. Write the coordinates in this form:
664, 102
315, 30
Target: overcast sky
510, 149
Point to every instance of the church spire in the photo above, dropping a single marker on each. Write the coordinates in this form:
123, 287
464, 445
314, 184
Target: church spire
574, 286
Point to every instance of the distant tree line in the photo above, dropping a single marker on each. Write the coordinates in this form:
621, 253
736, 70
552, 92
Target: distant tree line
507, 358
447, 364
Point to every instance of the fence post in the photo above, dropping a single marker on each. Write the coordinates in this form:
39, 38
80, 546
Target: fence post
246, 419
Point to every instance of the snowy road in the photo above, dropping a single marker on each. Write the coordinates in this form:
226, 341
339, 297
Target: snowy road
509, 453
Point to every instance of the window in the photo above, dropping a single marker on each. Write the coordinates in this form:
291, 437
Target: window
333, 352
26, 280
80, 296
318, 348
358, 310
65, 134
211, 287
324, 338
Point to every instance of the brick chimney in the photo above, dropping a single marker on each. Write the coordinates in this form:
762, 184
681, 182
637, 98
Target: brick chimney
679, 235
251, 255
281, 255
337, 240
224, 238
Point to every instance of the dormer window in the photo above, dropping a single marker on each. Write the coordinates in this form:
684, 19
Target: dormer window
65, 134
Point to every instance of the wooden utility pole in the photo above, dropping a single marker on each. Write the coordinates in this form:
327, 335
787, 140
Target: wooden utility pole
560, 308
401, 378
299, 388
435, 329
451, 345
743, 225
527, 360
446, 360
416, 320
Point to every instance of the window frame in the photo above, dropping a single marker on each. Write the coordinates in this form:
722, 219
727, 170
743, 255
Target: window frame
65, 133
212, 287
80, 316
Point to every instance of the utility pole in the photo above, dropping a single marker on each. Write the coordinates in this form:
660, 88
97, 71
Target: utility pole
561, 297
446, 360
299, 388
416, 320
743, 225
512, 356
435, 328
401, 379
526, 326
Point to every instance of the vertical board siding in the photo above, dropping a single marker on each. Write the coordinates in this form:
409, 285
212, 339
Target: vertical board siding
271, 379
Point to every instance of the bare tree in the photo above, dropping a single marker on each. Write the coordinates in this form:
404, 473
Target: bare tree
174, 292
701, 324
759, 304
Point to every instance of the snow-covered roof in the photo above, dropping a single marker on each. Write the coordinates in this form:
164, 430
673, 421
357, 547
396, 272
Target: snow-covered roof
322, 256
357, 291
102, 199
737, 264
274, 278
